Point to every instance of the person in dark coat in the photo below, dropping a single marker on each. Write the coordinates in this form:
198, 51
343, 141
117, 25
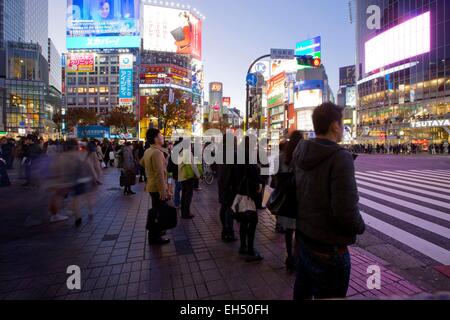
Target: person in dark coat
228, 182
129, 168
250, 185
4, 178
328, 217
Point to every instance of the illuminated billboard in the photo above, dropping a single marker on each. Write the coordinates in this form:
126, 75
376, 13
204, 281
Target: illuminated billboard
154, 76
80, 62
276, 90
406, 40
278, 66
102, 24
307, 98
172, 30
126, 80
226, 102
311, 47
198, 81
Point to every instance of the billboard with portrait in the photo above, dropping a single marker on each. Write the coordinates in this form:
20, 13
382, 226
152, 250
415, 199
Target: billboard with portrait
103, 23
172, 30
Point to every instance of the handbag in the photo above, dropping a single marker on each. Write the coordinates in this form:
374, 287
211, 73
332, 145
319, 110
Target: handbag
282, 201
164, 216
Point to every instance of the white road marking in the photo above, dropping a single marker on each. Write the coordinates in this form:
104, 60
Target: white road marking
406, 194
418, 222
437, 184
428, 249
420, 185
409, 205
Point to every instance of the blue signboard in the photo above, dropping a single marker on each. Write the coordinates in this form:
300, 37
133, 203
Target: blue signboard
310, 47
309, 85
103, 42
126, 83
252, 79
94, 132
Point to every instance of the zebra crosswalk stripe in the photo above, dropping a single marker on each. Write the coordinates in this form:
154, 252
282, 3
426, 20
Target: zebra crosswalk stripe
436, 173
424, 175
437, 184
421, 209
425, 247
414, 184
406, 194
418, 222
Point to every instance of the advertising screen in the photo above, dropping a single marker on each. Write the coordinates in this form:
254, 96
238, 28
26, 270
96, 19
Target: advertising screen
278, 66
307, 98
350, 97
276, 90
102, 18
80, 62
304, 120
407, 40
226, 101
172, 30
165, 74
126, 80
311, 47
198, 81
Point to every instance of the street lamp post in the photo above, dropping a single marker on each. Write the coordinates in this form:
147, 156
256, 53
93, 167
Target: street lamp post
247, 100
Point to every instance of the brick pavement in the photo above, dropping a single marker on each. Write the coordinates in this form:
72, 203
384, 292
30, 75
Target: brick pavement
117, 263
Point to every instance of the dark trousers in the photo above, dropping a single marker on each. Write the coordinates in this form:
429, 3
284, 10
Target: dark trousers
155, 230
226, 218
196, 183
4, 178
248, 222
187, 192
321, 276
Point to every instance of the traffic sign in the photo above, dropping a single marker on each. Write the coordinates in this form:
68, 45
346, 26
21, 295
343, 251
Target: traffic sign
252, 79
282, 54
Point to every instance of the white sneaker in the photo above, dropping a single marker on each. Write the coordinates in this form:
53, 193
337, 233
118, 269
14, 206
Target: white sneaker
58, 218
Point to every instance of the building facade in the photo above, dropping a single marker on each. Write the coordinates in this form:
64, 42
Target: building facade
403, 72
36, 23
54, 66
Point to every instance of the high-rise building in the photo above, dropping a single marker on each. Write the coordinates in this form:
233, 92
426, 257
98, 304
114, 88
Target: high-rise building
403, 70
36, 23
54, 66
12, 20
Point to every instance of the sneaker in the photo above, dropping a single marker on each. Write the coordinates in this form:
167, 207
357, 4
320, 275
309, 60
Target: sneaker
58, 218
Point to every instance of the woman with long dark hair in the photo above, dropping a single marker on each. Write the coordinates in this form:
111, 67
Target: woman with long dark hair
287, 215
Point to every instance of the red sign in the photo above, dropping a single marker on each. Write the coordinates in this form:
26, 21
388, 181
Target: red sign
226, 102
81, 62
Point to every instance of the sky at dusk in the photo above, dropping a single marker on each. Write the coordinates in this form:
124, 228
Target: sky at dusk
237, 31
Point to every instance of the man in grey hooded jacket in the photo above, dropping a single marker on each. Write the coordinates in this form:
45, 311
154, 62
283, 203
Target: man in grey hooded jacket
328, 218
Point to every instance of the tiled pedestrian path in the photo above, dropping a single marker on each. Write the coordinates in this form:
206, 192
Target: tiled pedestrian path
117, 263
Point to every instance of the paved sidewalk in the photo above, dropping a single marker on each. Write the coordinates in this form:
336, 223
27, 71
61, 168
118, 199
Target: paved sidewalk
117, 263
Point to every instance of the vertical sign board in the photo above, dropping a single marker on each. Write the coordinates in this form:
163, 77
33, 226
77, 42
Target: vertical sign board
126, 80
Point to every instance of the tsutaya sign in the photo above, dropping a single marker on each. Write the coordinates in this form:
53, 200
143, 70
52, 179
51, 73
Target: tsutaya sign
431, 124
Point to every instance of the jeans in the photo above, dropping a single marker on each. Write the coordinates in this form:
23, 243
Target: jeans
187, 188
155, 230
177, 194
321, 276
226, 218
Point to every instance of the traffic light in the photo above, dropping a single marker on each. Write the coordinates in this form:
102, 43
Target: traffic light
309, 61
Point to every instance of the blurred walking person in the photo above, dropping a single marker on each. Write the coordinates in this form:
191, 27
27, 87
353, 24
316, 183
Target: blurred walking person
188, 173
129, 169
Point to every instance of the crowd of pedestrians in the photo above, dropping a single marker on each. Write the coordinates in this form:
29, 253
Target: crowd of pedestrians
400, 149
